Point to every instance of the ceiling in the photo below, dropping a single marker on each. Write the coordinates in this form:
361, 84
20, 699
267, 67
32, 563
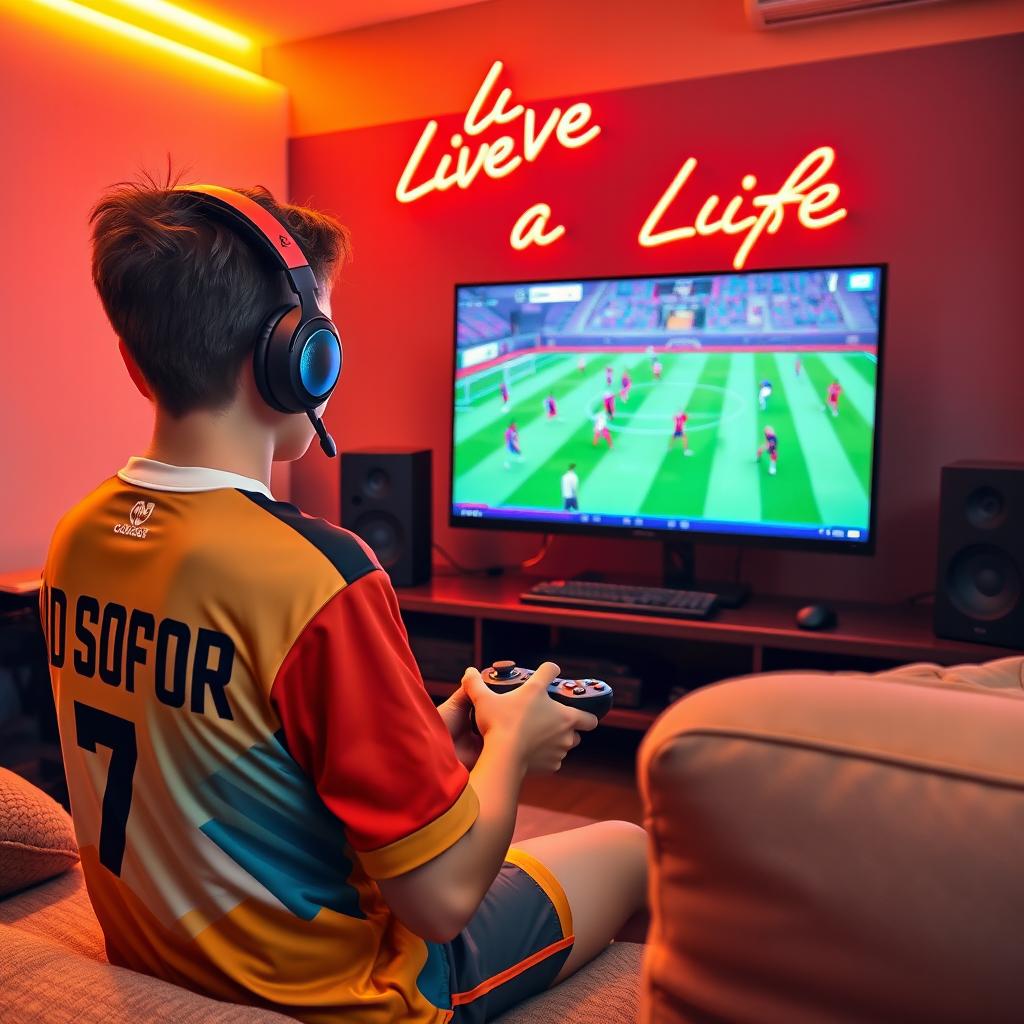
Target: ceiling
270, 21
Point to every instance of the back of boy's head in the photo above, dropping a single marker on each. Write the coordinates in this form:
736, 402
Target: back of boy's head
186, 293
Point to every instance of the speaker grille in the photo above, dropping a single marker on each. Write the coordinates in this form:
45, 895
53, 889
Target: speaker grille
377, 483
983, 582
987, 509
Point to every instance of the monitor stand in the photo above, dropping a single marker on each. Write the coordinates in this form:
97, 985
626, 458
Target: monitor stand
677, 572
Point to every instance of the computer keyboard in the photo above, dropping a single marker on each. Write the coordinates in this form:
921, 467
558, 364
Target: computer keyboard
684, 604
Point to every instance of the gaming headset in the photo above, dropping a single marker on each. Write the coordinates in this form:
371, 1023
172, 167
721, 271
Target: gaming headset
297, 359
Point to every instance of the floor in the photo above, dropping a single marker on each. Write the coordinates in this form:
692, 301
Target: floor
597, 780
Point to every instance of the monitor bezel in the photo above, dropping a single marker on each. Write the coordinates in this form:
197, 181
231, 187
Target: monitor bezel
693, 535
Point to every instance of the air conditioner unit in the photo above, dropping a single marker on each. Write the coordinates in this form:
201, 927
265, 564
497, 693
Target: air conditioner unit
780, 13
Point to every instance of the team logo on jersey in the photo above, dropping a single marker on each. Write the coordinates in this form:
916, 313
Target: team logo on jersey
140, 512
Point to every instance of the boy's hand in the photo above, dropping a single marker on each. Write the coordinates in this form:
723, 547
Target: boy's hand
454, 713
540, 730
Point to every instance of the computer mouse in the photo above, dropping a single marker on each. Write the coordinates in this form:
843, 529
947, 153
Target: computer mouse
815, 616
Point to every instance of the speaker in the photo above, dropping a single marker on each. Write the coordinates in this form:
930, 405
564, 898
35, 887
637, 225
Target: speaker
385, 498
979, 589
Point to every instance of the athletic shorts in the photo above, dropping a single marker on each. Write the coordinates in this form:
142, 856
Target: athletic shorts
514, 945
571, 504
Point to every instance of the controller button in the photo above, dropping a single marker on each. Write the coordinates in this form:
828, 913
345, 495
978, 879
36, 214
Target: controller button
598, 685
504, 670
579, 690
568, 684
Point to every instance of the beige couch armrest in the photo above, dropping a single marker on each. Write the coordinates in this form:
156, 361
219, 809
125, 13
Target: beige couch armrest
1002, 674
836, 848
41, 981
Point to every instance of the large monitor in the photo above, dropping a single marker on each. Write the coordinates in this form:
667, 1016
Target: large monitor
736, 406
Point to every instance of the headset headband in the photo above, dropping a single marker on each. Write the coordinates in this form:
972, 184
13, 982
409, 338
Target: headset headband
256, 221
260, 226
297, 356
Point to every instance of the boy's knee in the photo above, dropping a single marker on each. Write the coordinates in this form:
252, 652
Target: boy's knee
625, 835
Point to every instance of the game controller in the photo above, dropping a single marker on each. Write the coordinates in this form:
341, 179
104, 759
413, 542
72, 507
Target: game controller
593, 695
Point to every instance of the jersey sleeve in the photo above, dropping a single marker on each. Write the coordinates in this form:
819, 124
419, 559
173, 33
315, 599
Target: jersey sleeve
358, 720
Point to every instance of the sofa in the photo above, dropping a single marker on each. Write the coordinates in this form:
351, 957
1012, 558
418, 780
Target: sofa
839, 849
825, 849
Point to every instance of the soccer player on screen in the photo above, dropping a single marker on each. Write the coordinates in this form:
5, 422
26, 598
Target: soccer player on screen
512, 449
771, 445
505, 398
796, 366
571, 489
834, 391
679, 432
609, 375
656, 368
763, 394
609, 403
551, 407
601, 430
627, 383
581, 364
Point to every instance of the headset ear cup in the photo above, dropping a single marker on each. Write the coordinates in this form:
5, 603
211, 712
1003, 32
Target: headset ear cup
271, 360
318, 359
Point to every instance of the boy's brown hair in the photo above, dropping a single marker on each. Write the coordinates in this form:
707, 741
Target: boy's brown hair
186, 293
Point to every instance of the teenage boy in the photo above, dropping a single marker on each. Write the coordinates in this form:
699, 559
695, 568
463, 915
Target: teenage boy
269, 808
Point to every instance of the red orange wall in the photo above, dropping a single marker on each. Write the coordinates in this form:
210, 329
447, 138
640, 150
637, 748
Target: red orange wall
928, 163
419, 67
84, 108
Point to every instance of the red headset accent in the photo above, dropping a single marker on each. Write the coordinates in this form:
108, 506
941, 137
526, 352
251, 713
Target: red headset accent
251, 214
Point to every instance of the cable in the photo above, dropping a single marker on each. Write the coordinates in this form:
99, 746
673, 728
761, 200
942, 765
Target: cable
494, 570
456, 564
533, 560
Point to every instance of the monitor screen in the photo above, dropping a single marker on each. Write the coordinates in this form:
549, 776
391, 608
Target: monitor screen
741, 405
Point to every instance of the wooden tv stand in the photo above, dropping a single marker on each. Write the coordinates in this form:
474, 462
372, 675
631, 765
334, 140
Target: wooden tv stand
483, 617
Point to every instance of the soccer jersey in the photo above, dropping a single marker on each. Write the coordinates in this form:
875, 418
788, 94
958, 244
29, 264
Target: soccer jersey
248, 745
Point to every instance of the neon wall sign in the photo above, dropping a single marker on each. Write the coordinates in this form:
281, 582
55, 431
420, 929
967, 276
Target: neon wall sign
525, 137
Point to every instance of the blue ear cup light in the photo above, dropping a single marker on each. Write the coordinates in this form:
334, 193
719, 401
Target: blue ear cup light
298, 355
320, 363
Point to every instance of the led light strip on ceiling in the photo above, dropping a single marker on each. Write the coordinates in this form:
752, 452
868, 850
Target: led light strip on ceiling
172, 29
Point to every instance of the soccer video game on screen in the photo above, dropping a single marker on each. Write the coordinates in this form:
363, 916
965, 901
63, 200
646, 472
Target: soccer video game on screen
739, 403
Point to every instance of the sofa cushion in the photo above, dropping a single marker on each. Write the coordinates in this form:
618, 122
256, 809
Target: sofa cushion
43, 981
606, 991
37, 840
58, 910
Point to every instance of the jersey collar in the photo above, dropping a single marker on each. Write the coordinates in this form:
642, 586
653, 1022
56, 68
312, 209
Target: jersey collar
162, 476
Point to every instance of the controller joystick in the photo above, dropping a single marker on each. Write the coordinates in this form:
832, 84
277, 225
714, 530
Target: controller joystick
593, 695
